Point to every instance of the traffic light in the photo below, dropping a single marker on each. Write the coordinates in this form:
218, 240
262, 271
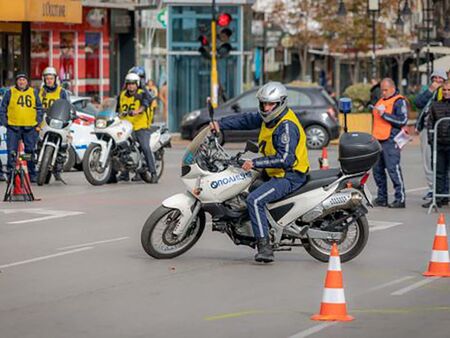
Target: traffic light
204, 47
224, 48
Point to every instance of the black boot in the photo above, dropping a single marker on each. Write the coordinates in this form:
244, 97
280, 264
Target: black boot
265, 253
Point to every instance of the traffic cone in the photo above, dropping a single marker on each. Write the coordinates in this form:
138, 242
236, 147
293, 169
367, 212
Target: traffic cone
333, 306
19, 185
440, 263
324, 164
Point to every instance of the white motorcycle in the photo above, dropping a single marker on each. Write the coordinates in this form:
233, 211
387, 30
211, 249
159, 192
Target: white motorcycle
116, 150
55, 139
329, 208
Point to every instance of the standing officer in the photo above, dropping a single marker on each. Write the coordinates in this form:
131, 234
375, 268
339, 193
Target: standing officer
390, 114
282, 143
21, 113
134, 100
49, 93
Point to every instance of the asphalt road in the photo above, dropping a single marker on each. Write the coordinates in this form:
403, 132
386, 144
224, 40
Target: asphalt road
72, 266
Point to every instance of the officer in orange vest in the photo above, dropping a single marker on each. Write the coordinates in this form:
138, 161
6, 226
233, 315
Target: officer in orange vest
390, 114
21, 113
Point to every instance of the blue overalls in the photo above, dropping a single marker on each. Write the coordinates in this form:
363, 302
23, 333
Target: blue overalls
285, 140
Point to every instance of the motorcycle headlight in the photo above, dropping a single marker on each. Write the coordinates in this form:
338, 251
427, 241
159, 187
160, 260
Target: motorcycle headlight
100, 124
192, 116
57, 124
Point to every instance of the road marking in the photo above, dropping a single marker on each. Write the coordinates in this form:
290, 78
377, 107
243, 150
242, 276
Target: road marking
312, 330
417, 189
395, 281
41, 258
93, 243
234, 315
414, 286
381, 225
50, 214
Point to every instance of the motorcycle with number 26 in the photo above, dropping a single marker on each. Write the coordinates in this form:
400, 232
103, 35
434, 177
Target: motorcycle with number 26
329, 208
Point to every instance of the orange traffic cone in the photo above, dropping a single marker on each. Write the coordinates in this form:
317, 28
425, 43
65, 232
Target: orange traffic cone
19, 185
440, 263
324, 164
333, 306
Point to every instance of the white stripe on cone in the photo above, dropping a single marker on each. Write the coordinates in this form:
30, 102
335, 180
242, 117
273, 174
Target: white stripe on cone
440, 256
440, 230
333, 296
334, 264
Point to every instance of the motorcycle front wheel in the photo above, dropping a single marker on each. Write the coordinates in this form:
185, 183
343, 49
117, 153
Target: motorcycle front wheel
351, 244
45, 164
157, 236
91, 166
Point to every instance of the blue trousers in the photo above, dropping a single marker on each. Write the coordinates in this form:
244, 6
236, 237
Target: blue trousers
143, 137
389, 161
269, 191
29, 137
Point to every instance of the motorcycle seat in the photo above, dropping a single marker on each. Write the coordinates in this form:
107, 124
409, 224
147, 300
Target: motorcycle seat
153, 128
316, 179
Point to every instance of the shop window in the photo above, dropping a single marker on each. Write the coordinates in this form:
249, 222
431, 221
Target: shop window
92, 50
40, 54
67, 57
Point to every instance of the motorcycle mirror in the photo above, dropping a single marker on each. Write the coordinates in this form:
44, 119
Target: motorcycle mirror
251, 147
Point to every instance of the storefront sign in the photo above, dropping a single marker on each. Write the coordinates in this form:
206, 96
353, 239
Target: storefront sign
120, 21
68, 11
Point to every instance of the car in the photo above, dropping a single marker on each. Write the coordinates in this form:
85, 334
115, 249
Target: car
315, 109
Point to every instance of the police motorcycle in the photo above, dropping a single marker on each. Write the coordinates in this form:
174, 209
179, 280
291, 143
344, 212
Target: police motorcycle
116, 150
330, 207
55, 139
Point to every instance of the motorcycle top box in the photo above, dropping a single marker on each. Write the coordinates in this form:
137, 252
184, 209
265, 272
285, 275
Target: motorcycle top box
358, 152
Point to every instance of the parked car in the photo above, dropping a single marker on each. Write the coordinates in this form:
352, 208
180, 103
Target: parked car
316, 110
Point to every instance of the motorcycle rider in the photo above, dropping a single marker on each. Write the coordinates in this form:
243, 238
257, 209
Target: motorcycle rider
49, 93
135, 101
282, 143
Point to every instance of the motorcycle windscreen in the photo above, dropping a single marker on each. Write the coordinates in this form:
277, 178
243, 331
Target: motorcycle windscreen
60, 110
192, 148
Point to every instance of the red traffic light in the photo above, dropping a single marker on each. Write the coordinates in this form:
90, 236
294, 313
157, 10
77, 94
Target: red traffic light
224, 19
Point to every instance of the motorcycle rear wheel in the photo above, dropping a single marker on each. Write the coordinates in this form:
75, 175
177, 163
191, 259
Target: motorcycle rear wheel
157, 238
320, 249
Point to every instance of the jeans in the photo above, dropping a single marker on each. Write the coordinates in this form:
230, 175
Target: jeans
143, 138
29, 137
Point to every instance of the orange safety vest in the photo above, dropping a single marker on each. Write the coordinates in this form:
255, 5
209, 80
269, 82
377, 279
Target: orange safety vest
381, 128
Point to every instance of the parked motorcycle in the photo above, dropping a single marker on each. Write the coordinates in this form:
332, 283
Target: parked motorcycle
55, 139
116, 150
330, 207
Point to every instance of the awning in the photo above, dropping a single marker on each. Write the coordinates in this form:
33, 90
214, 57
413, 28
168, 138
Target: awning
437, 50
441, 63
67, 11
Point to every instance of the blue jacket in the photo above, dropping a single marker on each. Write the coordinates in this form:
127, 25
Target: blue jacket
285, 140
423, 101
5, 103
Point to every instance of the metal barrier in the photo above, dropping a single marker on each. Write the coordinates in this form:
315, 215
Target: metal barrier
433, 204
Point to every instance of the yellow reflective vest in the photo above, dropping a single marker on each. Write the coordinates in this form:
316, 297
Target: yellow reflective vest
127, 103
47, 98
265, 141
22, 108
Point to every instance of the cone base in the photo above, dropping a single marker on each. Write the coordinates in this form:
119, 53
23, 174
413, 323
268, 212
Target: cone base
333, 318
436, 274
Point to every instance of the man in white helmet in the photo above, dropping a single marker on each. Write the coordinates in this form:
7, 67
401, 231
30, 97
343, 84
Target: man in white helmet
282, 144
49, 93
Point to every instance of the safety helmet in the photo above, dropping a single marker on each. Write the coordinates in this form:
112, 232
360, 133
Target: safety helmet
139, 71
273, 92
132, 78
49, 71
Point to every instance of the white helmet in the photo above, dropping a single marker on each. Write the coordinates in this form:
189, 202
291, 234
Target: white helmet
272, 92
49, 71
132, 78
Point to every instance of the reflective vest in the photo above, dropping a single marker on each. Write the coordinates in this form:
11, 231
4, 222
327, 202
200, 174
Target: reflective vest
381, 128
47, 98
128, 103
265, 141
22, 108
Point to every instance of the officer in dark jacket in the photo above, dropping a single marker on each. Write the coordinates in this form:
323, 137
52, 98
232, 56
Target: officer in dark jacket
282, 143
21, 113
439, 110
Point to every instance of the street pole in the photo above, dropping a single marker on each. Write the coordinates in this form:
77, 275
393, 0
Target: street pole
214, 73
374, 61
427, 11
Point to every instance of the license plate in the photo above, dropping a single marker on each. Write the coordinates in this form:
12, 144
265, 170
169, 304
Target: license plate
368, 195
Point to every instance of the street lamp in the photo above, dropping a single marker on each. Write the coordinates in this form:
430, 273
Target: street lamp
428, 19
406, 11
341, 9
374, 8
